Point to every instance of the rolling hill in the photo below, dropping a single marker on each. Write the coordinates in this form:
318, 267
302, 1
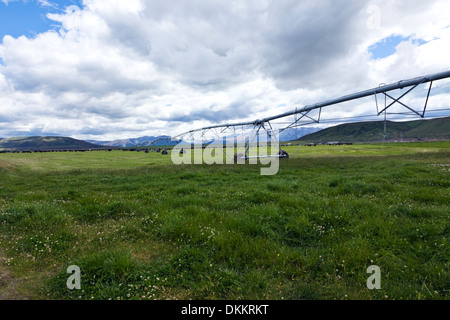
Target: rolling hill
46, 143
373, 131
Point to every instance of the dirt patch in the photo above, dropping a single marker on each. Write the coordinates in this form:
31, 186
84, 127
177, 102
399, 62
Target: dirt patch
4, 165
8, 285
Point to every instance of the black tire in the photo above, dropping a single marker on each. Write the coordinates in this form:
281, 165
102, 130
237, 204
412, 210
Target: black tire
238, 156
283, 154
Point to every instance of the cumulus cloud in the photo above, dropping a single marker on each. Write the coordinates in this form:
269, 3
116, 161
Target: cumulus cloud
142, 67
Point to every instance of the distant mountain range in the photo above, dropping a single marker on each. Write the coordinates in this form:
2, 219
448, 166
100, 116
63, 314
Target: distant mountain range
46, 143
373, 131
137, 142
287, 135
295, 133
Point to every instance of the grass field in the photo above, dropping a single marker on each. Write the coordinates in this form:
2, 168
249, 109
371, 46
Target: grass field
140, 227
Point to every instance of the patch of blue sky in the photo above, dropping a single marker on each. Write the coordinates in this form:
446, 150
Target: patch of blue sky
29, 18
440, 88
387, 46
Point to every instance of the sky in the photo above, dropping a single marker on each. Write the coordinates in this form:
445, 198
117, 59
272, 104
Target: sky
114, 69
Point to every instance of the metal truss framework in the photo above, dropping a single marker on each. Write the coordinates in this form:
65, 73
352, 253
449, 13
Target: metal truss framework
303, 116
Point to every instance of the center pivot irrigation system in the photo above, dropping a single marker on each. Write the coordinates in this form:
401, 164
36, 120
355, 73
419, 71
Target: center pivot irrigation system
303, 116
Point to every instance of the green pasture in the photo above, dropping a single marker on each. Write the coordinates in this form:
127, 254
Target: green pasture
140, 227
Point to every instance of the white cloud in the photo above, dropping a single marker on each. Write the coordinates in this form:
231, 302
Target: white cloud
121, 68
